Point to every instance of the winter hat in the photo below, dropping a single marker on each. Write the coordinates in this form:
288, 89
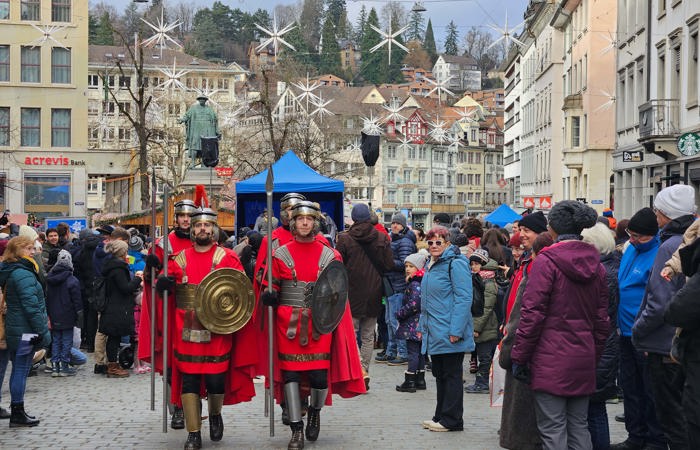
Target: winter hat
441, 218
416, 259
27, 231
135, 243
676, 201
105, 229
460, 240
607, 212
63, 259
400, 219
571, 217
536, 222
480, 255
360, 213
117, 247
514, 240
644, 222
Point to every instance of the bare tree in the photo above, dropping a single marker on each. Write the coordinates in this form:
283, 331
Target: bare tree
476, 45
184, 12
394, 13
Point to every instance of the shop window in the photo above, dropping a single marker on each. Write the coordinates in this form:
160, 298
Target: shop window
60, 128
60, 65
47, 196
4, 126
4, 63
30, 9
30, 133
31, 64
60, 10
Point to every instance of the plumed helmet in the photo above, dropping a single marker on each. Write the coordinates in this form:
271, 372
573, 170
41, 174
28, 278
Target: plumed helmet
291, 199
306, 208
186, 206
203, 215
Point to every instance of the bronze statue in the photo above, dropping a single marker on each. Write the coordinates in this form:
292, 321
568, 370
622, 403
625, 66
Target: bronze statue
201, 123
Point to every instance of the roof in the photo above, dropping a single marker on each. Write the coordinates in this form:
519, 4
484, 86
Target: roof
461, 60
100, 55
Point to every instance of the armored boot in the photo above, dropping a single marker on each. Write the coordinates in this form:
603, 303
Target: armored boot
409, 384
420, 380
191, 407
291, 395
313, 421
216, 422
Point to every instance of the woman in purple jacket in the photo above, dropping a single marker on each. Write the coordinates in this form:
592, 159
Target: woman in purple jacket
563, 327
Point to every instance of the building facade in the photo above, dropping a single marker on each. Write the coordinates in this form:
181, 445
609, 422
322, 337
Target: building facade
464, 71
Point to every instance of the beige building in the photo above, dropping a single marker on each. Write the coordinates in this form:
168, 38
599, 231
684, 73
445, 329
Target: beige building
589, 86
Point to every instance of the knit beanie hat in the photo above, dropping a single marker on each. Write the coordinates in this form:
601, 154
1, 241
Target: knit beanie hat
644, 222
514, 240
607, 212
460, 240
135, 243
536, 222
571, 217
480, 255
27, 231
418, 260
441, 218
360, 213
117, 247
63, 259
400, 219
676, 201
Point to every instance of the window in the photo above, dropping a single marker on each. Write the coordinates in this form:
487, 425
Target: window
421, 196
4, 63
93, 81
477, 197
422, 174
391, 175
93, 133
60, 10
407, 197
92, 187
30, 125
31, 64
124, 82
60, 128
477, 179
470, 178
93, 107
693, 69
60, 65
174, 109
411, 152
4, 9
477, 158
4, 126
422, 153
125, 107
108, 134
391, 152
391, 196
30, 9
222, 84
46, 196
125, 134
575, 131
109, 108
407, 175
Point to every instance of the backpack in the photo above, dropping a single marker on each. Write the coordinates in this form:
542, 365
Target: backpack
478, 301
99, 294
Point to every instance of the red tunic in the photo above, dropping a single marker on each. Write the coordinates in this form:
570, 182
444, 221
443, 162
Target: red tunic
177, 244
239, 346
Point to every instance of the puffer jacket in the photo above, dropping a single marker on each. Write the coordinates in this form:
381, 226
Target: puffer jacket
365, 281
607, 369
63, 300
446, 305
409, 314
564, 319
487, 324
118, 317
402, 245
633, 276
26, 308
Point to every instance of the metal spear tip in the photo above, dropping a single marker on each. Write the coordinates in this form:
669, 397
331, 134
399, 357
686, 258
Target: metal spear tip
270, 181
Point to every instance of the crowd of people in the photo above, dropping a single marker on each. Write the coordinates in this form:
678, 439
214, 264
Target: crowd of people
575, 308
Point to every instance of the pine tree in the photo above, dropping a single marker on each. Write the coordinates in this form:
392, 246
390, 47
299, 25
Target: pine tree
372, 62
330, 54
415, 27
104, 35
429, 42
361, 21
334, 11
92, 29
393, 72
451, 39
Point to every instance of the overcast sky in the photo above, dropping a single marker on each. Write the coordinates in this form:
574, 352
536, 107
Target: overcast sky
465, 13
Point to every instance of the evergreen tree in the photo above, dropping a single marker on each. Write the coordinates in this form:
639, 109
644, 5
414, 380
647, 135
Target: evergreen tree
372, 62
429, 42
299, 63
393, 72
330, 53
310, 22
361, 21
104, 35
208, 41
451, 39
415, 27
93, 24
335, 10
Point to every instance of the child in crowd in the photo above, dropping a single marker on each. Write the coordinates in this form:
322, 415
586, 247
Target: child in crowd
65, 308
408, 315
139, 366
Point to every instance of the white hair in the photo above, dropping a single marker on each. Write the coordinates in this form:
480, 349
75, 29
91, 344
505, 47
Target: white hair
601, 237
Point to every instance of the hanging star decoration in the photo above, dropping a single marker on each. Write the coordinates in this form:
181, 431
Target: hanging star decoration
233, 118
455, 141
161, 38
208, 93
405, 143
307, 90
437, 131
173, 78
275, 36
321, 109
467, 116
608, 103
440, 87
103, 125
370, 125
612, 43
388, 40
507, 34
394, 109
47, 32
354, 146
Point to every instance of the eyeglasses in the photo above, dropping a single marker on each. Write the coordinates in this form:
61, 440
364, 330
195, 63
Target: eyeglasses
431, 243
633, 235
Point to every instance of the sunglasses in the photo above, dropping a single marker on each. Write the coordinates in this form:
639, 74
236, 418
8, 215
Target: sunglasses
431, 243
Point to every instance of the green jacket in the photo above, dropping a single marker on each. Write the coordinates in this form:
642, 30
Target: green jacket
487, 325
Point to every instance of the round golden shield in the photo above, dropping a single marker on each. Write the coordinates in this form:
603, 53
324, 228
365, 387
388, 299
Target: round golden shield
224, 301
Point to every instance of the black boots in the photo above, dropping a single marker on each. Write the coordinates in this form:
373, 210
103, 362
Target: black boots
194, 440
4, 414
297, 441
313, 424
177, 422
409, 384
420, 380
216, 422
19, 418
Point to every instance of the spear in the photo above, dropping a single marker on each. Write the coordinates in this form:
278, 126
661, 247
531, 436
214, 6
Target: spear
154, 274
270, 395
166, 254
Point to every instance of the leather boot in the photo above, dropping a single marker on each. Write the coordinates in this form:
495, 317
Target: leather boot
4, 414
313, 421
297, 441
194, 440
19, 418
177, 422
216, 422
409, 384
191, 408
420, 380
114, 371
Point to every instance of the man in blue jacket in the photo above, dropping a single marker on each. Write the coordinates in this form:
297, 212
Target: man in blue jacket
675, 212
643, 428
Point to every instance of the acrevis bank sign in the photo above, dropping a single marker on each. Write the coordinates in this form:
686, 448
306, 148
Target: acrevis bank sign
59, 160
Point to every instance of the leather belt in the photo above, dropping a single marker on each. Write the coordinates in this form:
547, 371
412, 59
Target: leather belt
202, 358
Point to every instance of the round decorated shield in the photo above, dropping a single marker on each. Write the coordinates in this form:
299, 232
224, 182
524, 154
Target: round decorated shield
328, 297
224, 301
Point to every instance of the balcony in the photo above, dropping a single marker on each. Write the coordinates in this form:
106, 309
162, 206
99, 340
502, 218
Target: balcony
659, 127
574, 101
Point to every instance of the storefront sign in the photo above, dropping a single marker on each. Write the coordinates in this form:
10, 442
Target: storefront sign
224, 171
636, 156
529, 202
545, 202
75, 223
52, 161
689, 144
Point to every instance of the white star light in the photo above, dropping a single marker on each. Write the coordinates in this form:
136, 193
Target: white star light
612, 43
321, 109
173, 80
370, 125
388, 40
506, 33
354, 146
161, 38
467, 116
394, 108
232, 118
437, 131
46, 35
275, 35
307, 91
208, 93
405, 143
607, 104
455, 141
440, 87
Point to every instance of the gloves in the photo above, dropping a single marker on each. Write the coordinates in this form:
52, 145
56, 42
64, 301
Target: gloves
165, 284
79, 319
35, 340
270, 298
521, 373
152, 261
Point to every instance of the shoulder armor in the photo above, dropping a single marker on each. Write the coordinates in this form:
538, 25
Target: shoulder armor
286, 257
327, 255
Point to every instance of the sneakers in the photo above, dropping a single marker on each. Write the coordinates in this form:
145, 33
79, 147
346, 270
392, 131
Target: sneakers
382, 357
398, 361
477, 389
427, 423
66, 370
55, 369
437, 426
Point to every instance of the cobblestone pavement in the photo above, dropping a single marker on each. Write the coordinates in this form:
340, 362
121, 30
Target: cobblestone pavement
92, 411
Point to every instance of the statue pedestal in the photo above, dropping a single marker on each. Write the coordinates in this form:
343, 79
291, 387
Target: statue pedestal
201, 175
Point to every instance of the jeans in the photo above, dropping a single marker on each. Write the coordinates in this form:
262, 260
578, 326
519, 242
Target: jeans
667, 380
4, 359
21, 364
365, 327
61, 343
77, 358
416, 360
394, 347
562, 421
598, 425
484, 354
640, 414
447, 370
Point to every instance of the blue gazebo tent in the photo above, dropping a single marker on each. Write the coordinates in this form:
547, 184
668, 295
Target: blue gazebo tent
290, 175
502, 216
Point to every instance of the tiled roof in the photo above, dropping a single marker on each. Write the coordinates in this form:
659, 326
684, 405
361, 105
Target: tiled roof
108, 54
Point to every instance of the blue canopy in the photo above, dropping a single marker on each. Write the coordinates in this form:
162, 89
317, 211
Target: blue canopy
502, 216
290, 175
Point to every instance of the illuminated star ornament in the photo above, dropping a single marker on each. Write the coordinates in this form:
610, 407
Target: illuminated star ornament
612, 43
307, 90
394, 112
370, 125
275, 35
354, 146
173, 80
47, 32
608, 103
438, 131
440, 87
455, 141
507, 34
467, 116
388, 40
321, 109
405, 143
161, 38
